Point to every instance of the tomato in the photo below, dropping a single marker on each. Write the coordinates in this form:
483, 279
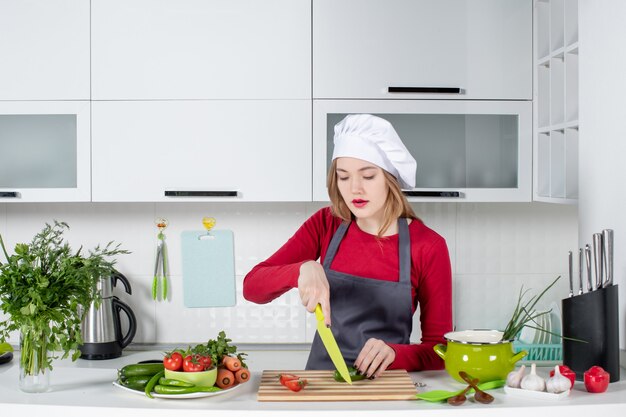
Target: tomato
173, 361
191, 364
205, 361
283, 378
295, 384
596, 379
567, 373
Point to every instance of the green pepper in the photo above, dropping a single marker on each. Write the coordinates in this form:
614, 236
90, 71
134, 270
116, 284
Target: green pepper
174, 382
355, 375
168, 389
153, 381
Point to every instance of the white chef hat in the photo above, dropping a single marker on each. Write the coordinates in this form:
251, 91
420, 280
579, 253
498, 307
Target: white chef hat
374, 140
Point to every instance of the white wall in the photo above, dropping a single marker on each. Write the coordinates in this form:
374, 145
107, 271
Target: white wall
602, 170
494, 248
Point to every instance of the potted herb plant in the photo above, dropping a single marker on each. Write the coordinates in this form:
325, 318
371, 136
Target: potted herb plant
42, 288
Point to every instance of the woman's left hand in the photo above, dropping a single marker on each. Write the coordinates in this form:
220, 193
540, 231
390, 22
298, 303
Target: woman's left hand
374, 358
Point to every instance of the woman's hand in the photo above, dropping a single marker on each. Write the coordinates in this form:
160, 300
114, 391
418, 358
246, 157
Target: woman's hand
374, 358
314, 289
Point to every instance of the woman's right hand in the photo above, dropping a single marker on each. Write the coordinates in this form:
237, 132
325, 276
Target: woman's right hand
314, 289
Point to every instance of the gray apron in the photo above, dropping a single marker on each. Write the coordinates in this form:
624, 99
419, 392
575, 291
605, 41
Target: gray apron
362, 308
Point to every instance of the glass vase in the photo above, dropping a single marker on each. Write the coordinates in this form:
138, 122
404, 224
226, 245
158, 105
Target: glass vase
34, 360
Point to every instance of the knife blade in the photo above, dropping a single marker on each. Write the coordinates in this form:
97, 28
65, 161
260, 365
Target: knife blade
331, 345
588, 262
597, 255
581, 257
571, 273
607, 241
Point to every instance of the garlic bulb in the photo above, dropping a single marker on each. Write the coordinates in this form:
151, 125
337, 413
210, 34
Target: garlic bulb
558, 383
514, 378
532, 381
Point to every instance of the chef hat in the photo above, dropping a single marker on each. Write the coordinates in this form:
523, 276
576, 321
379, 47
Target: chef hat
374, 140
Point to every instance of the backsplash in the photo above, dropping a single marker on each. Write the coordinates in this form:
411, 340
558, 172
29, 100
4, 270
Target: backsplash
495, 248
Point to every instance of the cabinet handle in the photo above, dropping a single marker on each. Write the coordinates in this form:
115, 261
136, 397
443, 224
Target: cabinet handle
226, 193
9, 194
437, 90
432, 193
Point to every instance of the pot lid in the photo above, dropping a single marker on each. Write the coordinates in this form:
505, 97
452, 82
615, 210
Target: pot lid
476, 337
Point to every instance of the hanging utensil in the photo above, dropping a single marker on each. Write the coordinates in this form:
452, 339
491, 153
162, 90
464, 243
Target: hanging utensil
160, 264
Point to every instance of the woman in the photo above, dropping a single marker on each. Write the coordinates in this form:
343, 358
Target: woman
378, 261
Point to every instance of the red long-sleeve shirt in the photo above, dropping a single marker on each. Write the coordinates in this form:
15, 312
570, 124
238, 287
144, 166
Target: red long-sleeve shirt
362, 254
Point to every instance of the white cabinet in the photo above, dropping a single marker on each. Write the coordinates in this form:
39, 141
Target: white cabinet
362, 48
44, 50
201, 49
478, 151
556, 98
202, 150
45, 151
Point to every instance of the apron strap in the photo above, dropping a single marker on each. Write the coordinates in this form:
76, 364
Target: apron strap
404, 250
334, 244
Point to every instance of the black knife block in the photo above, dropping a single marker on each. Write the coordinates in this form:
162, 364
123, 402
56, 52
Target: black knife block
594, 318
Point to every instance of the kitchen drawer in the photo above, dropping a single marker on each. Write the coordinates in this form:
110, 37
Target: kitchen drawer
44, 45
202, 150
479, 151
209, 49
361, 48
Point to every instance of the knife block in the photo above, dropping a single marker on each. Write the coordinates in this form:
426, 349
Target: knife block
592, 317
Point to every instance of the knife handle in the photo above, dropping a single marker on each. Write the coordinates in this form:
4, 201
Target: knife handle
570, 265
607, 241
597, 255
581, 261
588, 262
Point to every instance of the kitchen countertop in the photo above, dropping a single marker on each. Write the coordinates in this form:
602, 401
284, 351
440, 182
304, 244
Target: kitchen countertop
84, 388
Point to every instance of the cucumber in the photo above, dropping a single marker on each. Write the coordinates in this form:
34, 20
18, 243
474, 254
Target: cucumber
135, 382
168, 389
140, 369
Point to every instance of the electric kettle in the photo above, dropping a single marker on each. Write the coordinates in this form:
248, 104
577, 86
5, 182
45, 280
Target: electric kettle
101, 328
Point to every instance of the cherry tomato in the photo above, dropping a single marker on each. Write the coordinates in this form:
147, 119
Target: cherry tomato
596, 379
205, 361
173, 361
283, 378
191, 364
567, 373
295, 384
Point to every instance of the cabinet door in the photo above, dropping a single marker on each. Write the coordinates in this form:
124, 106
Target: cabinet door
201, 49
232, 150
361, 48
44, 151
465, 150
44, 45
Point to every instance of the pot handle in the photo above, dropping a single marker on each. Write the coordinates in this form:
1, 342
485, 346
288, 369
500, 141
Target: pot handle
441, 350
519, 355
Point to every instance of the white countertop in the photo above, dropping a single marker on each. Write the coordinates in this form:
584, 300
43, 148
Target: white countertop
84, 389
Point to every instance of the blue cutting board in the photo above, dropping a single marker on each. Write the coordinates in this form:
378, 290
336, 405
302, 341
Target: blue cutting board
208, 268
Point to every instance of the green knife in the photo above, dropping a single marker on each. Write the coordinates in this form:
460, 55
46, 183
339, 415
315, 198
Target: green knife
331, 345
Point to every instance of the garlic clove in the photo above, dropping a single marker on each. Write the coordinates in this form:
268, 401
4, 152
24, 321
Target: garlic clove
514, 378
558, 383
532, 381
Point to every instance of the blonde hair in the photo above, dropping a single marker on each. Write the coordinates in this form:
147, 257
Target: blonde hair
396, 205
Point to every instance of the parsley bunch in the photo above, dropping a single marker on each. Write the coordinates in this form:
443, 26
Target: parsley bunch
45, 291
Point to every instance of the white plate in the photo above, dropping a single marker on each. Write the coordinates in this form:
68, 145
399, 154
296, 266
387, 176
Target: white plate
179, 396
555, 316
526, 393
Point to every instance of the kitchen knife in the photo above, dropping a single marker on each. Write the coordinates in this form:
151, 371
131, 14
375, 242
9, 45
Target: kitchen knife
607, 241
588, 261
331, 345
597, 255
580, 270
571, 273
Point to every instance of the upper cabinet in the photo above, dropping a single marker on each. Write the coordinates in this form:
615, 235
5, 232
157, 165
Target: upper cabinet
44, 45
209, 49
44, 151
449, 49
202, 150
556, 98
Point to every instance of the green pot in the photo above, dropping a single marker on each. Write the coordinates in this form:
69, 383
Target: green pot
481, 353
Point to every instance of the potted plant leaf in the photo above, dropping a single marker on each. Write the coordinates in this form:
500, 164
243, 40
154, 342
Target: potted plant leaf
42, 288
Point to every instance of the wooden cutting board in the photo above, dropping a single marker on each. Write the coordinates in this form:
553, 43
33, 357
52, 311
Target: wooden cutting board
391, 385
